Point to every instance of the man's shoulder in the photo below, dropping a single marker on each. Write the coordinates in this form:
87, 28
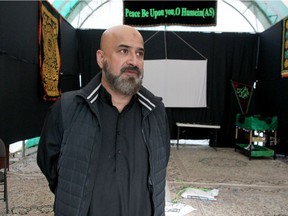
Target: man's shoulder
70, 100
69, 96
147, 95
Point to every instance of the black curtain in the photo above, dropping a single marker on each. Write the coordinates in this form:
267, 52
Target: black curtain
272, 90
69, 72
88, 43
230, 56
22, 109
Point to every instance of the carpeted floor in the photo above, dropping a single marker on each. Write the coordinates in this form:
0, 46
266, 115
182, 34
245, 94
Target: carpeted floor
246, 187
27, 188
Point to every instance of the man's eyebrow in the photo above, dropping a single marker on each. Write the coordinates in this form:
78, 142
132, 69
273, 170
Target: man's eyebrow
142, 49
126, 46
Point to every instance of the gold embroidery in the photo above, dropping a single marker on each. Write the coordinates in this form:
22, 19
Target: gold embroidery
51, 56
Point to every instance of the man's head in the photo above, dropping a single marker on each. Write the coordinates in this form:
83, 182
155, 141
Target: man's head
121, 58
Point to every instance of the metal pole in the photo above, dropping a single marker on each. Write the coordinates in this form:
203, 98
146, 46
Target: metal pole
23, 148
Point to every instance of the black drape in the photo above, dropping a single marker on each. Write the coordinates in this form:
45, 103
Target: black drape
272, 93
88, 43
69, 71
22, 109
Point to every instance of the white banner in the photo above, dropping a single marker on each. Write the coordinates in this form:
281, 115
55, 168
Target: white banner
181, 83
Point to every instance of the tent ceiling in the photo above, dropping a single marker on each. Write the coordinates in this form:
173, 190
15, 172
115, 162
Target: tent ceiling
265, 12
268, 12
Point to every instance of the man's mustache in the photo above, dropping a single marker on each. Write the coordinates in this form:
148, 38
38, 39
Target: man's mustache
131, 68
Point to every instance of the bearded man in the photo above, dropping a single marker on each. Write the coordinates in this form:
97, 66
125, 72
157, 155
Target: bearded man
104, 149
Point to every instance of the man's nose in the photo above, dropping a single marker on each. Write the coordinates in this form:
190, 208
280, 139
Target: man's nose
133, 59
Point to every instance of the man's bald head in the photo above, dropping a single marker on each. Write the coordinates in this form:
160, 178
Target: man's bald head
121, 58
119, 33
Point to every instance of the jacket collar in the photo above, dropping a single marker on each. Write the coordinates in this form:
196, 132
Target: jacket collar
145, 101
145, 97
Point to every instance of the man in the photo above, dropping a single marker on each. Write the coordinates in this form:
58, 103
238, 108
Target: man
104, 149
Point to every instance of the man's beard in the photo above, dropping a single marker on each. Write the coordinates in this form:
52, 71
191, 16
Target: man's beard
129, 86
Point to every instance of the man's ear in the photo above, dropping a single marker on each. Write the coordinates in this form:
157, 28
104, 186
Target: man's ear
99, 58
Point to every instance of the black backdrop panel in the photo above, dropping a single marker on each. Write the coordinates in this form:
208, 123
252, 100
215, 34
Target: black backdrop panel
69, 72
272, 90
22, 109
156, 40
189, 45
270, 53
18, 27
88, 43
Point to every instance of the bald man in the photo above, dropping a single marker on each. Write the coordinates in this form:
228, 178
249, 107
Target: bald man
104, 149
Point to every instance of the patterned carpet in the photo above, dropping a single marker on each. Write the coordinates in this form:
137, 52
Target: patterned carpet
257, 187
28, 189
246, 187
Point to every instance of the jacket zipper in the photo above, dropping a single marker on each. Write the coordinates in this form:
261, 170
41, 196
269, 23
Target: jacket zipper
150, 182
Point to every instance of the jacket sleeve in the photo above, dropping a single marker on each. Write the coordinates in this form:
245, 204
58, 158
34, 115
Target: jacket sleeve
167, 138
50, 144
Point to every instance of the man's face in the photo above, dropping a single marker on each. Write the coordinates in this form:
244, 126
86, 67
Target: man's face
125, 82
122, 60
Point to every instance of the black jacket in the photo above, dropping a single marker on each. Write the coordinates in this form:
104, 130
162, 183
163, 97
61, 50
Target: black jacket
70, 138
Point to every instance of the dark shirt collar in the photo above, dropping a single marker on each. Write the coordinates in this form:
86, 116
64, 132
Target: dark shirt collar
105, 97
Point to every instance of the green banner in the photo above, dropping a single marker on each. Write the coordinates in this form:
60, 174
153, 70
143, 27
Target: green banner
243, 94
152, 13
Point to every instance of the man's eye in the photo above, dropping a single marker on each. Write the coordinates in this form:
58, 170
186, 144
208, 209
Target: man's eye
140, 53
124, 51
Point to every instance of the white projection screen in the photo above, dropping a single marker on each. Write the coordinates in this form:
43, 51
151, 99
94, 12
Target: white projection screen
181, 83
